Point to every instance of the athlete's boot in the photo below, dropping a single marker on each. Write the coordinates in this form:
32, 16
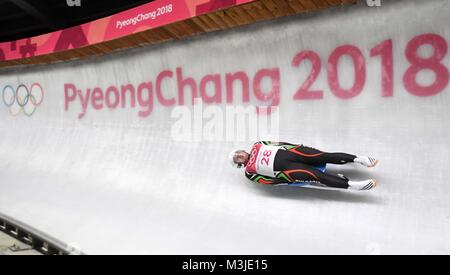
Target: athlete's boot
366, 161
362, 185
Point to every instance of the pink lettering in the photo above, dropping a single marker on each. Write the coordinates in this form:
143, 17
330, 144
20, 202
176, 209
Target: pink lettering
304, 92
145, 102
182, 83
243, 78
70, 94
360, 71
274, 95
97, 99
130, 89
433, 63
116, 97
84, 101
215, 81
161, 98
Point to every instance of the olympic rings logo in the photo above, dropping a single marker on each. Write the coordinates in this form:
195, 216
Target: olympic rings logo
22, 98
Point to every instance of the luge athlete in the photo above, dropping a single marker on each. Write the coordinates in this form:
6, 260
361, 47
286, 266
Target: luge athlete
281, 163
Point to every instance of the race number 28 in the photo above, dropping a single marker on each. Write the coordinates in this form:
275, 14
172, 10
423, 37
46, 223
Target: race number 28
266, 157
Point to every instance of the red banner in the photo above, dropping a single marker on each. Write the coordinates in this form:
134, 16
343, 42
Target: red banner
142, 18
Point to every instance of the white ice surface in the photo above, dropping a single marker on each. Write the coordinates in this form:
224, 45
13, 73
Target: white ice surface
116, 183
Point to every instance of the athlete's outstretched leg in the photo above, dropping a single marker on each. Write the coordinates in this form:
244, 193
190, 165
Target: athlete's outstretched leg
313, 156
299, 172
296, 172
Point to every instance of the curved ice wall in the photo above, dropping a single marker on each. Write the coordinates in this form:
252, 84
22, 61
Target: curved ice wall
110, 155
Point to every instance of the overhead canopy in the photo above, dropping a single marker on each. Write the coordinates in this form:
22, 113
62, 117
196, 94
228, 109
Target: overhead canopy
164, 21
27, 18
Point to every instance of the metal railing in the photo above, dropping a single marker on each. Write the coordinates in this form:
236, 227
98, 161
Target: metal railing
39, 241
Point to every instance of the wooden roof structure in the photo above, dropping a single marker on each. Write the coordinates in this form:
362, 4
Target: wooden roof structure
235, 16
